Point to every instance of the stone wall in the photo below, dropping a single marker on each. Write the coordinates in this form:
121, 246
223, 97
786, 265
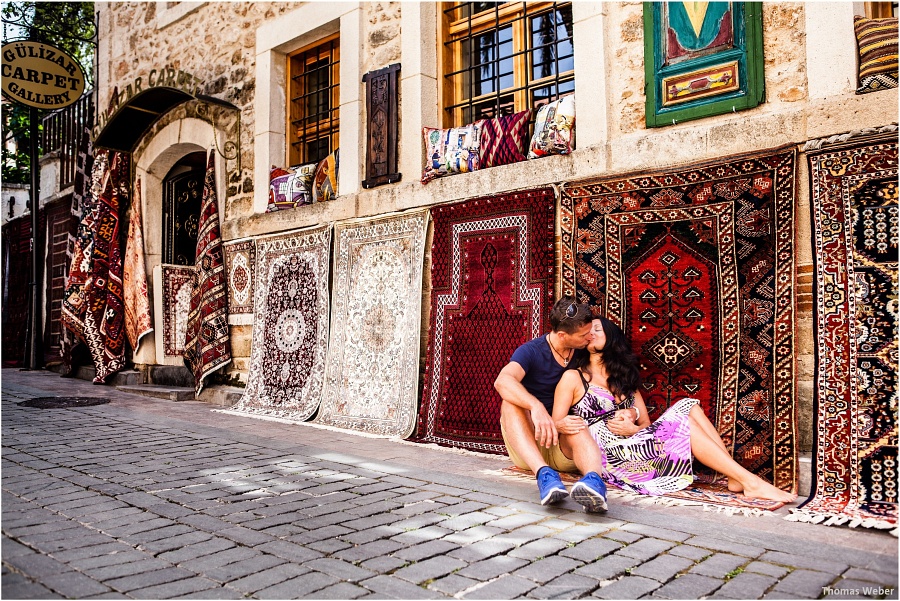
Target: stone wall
217, 43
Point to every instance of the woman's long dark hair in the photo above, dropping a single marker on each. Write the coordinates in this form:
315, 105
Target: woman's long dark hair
623, 375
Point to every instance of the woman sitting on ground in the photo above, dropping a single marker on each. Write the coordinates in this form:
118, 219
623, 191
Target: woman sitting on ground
652, 459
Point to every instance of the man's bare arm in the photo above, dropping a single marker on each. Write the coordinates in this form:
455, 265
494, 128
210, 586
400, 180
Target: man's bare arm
509, 385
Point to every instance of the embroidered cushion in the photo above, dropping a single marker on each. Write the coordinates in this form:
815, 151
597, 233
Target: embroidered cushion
289, 188
503, 139
450, 151
554, 128
325, 179
877, 43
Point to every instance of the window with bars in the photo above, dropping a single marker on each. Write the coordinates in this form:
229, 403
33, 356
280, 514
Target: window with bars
313, 96
505, 57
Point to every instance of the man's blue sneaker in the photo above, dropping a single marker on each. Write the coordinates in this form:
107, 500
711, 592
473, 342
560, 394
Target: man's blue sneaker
550, 486
590, 491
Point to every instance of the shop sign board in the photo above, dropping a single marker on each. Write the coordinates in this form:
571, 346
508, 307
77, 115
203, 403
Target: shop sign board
40, 75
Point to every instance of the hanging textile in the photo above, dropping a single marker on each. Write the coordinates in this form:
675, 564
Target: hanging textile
207, 346
138, 322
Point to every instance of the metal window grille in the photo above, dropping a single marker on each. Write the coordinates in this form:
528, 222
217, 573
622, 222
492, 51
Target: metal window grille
314, 103
506, 57
62, 131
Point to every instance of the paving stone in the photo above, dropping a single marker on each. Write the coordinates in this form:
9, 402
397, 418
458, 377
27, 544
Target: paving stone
847, 588
766, 569
74, 585
245, 536
176, 542
425, 550
718, 565
429, 569
545, 570
147, 564
369, 550
491, 568
200, 549
629, 587
807, 583
482, 550
371, 534
17, 586
591, 549
269, 577
419, 535
646, 548
726, 546
689, 586
398, 589
516, 521
473, 535
341, 570
855, 574
148, 579
175, 589
318, 534
452, 584
540, 548
690, 552
655, 532
662, 568
222, 558
328, 546
468, 520
420, 521
608, 567
567, 586
810, 563
341, 590
383, 564
746, 585
37, 565
505, 587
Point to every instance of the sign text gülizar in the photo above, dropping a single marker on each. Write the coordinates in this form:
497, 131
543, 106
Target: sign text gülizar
40, 75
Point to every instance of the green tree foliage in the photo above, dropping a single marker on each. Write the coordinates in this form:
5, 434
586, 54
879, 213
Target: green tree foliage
70, 27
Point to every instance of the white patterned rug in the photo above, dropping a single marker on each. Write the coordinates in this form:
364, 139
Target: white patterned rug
373, 353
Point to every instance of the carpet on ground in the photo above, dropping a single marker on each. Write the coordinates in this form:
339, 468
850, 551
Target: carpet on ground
707, 492
207, 345
104, 315
177, 289
853, 195
290, 333
240, 268
492, 278
372, 372
138, 321
696, 265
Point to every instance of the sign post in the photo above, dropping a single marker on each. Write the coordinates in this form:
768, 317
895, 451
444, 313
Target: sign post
39, 76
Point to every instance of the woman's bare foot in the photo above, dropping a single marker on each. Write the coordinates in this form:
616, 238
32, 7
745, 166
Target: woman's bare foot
760, 489
734, 485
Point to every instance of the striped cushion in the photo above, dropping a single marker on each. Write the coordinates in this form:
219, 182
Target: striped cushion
503, 139
877, 41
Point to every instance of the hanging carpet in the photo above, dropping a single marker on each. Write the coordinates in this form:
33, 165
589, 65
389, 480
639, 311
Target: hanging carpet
492, 277
138, 321
177, 289
854, 211
290, 333
240, 266
207, 346
372, 371
104, 314
696, 266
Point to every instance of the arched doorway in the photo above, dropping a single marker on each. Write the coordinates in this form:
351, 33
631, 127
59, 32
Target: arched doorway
182, 197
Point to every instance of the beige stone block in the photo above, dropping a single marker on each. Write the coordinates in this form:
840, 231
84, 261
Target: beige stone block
831, 51
659, 149
851, 112
762, 131
805, 418
418, 39
258, 224
303, 26
418, 109
268, 149
146, 352
269, 102
352, 146
49, 184
593, 71
241, 337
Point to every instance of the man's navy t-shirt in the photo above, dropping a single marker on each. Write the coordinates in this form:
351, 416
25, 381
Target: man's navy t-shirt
542, 371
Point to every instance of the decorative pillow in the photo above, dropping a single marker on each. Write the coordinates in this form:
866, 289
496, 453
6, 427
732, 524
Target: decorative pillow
290, 188
877, 43
325, 179
449, 151
503, 139
554, 128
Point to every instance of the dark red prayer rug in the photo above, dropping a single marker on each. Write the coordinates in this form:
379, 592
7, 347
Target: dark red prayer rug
855, 251
696, 265
492, 277
207, 345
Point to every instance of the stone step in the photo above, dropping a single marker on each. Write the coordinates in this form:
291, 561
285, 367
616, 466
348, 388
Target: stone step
221, 396
171, 393
128, 377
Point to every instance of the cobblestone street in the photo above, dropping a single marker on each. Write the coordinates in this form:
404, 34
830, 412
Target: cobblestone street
152, 499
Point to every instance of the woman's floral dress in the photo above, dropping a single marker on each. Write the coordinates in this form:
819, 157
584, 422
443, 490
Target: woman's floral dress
653, 461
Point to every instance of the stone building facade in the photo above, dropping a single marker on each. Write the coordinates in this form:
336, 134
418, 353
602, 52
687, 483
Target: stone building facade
237, 52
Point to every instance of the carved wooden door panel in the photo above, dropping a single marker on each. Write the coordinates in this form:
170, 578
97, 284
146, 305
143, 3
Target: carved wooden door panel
182, 196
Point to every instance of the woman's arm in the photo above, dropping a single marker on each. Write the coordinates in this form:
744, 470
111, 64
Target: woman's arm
624, 424
567, 394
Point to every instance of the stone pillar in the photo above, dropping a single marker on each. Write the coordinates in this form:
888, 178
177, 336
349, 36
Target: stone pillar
352, 145
590, 73
831, 54
418, 83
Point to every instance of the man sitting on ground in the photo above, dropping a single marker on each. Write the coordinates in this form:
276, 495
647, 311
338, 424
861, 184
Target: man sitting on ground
527, 385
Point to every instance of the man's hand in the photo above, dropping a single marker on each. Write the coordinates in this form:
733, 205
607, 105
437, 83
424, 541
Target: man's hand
570, 424
545, 433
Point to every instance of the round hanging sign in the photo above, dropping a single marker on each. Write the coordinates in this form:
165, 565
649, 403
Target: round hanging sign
40, 75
